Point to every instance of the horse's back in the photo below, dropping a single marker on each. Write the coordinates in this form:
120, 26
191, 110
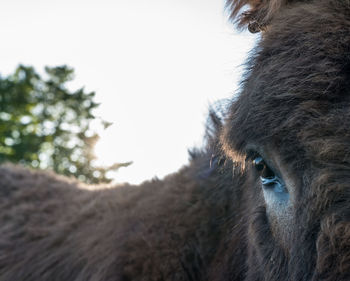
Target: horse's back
37, 216
51, 228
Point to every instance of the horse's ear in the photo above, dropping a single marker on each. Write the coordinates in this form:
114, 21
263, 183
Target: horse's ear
259, 14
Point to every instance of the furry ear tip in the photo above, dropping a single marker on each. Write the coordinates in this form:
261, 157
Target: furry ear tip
257, 16
245, 18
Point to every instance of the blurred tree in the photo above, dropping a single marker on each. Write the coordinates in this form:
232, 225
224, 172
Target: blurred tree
44, 125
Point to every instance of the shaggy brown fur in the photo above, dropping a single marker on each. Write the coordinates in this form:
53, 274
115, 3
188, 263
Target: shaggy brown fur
215, 219
294, 107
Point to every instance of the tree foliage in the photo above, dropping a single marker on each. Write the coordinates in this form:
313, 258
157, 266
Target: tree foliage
44, 125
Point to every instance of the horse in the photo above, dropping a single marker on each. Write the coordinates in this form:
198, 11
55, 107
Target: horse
267, 198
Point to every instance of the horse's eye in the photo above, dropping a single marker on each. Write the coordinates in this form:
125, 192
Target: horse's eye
269, 180
262, 168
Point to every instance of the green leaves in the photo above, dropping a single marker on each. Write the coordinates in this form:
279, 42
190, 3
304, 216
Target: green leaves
44, 125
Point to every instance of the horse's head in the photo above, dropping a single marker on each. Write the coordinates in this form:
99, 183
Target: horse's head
290, 130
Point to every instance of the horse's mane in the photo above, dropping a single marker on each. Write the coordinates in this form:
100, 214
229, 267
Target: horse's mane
213, 128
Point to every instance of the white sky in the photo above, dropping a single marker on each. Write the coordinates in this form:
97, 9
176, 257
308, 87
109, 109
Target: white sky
155, 66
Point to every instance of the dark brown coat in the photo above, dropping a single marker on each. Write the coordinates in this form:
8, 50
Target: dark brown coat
218, 218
